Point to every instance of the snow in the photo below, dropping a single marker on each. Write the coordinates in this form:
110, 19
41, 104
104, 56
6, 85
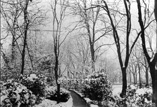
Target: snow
142, 91
2, 98
46, 103
116, 91
132, 87
92, 105
32, 77
149, 90
78, 93
50, 103
69, 103
20, 87
88, 100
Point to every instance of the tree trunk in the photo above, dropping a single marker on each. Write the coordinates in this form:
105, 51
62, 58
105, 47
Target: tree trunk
152, 63
153, 72
56, 69
130, 78
146, 74
147, 77
26, 24
135, 78
58, 85
58, 92
92, 57
139, 70
23, 54
56, 77
13, 50
124, 82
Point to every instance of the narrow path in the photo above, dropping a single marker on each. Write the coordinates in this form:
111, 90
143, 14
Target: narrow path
78, 101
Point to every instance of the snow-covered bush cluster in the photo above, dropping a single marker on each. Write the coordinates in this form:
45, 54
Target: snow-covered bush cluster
74, 84
29, 91
97, 87
15, 94
35, 84
135, 97
99, 90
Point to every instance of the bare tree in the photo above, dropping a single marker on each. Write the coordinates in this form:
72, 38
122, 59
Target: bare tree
147, 71
116, 35
59, 10
78, 56
139, 67
11, 11
151, 60
132, 69
90, 20
26, 24
19, 19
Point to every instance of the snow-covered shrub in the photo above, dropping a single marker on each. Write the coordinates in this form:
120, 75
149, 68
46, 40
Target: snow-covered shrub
131, 90
15, 94
97, 87
135, 97
34, 84
74, 84
51, 93
144, 97
29, 91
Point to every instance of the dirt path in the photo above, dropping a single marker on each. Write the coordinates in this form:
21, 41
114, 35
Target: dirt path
78, 101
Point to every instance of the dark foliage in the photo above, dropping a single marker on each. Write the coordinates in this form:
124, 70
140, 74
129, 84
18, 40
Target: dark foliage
97, 87
36, 86
51, 93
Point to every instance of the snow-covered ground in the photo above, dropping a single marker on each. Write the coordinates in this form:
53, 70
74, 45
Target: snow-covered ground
69, 103
116, 89
92, 105
50, 103
46, 103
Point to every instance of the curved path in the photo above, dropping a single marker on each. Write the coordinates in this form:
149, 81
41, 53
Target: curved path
78, 101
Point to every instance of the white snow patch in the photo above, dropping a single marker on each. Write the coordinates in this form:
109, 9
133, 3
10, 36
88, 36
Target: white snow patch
2, 98
50, 103
46, 103
116, 91
88, 100
78, 93
20, 87
92, 105
149, 90
132, 87
140, 91
32, 77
